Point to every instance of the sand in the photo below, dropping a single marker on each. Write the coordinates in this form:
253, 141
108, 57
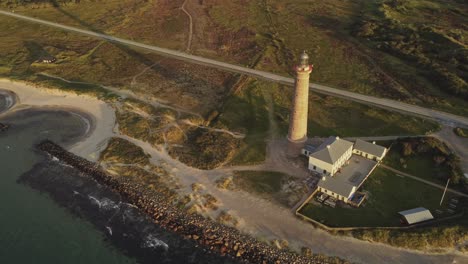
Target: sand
99, 116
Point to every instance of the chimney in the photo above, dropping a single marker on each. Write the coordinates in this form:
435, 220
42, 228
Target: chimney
337, 137
328, 146
324, 178
373, 142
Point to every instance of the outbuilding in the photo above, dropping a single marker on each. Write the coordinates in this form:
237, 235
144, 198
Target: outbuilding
369, 150
416, 215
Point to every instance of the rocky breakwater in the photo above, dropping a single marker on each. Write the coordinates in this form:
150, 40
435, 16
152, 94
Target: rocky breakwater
4, 127
213, 236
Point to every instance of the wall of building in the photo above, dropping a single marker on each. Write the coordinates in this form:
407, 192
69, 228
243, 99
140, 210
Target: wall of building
332, 194
369, 156
346, 156
331, 169
320, 166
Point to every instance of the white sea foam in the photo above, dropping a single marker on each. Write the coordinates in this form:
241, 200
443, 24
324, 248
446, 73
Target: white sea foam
55, 159
85, 120
105, 203
131, 205
109, 230
9, 102
152, 242
9, 99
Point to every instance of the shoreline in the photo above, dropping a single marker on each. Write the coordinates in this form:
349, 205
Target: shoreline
11, 99
97, 115
213, 236
104, 119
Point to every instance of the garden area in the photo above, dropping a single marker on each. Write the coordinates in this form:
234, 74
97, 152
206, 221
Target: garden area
388, 194
429, 159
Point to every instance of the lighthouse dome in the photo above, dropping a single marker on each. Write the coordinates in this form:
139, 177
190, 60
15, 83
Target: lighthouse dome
304, 58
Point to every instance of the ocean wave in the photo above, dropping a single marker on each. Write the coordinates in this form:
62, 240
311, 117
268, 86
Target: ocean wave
109, 229
105, 203
85, 120
152, 242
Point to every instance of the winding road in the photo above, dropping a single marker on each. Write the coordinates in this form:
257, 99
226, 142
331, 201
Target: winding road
439, 116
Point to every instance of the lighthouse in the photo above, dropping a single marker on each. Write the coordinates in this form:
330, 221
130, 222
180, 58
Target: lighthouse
297, 135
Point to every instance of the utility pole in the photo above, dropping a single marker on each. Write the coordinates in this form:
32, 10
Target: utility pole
446, 186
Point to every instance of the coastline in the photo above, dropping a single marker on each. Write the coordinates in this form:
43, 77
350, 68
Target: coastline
102, 117
98, 115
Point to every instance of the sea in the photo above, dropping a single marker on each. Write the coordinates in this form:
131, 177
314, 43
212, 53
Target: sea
51, 213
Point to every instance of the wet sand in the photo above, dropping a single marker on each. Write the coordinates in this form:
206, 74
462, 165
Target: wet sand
97, 114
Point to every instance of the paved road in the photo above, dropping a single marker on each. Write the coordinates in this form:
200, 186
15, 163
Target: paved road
424, 181
439, 116
457, 144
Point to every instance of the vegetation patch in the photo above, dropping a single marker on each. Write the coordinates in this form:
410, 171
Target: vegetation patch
427, 158
461, 132
430, 51
205, 149
270, 186
260, 182
427, 238
122, 151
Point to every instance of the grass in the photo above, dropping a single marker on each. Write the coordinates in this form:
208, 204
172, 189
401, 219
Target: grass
388, 195
421, 165
260, 182
122, 151
246, 112
461, 132
327, 30
428, 159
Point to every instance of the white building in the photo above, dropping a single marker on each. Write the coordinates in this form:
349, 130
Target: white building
416, 215
342, 173
369, 150
330, 156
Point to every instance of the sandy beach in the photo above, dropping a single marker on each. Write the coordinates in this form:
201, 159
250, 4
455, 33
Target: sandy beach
99, 116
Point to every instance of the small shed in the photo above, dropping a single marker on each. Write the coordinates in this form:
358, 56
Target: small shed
368, 150
307, 150
416, 215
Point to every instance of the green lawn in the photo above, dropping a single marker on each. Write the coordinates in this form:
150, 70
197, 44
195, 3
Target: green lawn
421, 165
388, 195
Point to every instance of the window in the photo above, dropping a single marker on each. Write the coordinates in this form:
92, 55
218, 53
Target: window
315, 167
324, 171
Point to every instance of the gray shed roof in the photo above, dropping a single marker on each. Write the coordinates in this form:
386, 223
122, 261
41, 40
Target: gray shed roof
417, 215
331, 154
370, 148
309, 148
337, 185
